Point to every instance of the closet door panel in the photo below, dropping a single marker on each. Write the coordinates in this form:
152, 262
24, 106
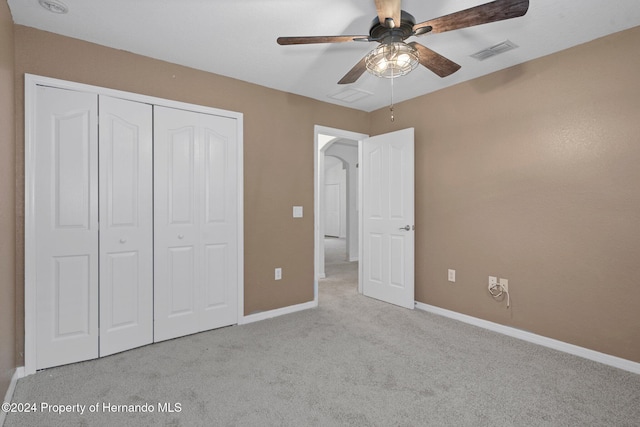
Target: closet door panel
181, 281
126, 225
180, 175
176, 233
66, 227
219, 222
196, 283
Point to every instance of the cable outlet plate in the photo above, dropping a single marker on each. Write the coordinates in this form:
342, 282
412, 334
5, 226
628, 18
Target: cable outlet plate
504, 283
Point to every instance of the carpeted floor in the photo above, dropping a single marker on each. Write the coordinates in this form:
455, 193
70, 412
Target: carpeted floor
352, 361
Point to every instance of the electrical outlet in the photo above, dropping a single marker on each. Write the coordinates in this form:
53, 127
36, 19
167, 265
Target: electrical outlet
504, 283
452, 275
493, 281
278, 273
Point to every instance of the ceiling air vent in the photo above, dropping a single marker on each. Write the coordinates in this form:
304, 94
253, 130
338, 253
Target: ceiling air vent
494, 50
350, 95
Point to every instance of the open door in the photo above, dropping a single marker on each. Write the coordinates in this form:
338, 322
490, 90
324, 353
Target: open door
387, 261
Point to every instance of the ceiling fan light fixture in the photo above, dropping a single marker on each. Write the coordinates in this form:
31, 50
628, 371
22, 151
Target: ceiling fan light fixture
391, 60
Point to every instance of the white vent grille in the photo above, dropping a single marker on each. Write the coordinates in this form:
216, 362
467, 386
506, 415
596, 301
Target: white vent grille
350, 95
502, 47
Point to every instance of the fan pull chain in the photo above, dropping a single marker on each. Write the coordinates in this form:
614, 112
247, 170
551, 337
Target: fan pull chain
391, 106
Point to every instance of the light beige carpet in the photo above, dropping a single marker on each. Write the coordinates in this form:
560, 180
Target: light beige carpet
352, 361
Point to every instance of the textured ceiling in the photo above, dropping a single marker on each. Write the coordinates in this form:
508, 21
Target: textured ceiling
237, 38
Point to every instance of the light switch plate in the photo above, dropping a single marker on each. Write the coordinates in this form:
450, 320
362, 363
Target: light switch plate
451, 275
297, 211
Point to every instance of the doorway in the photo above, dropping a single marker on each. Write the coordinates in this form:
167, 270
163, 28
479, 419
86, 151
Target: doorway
339, 148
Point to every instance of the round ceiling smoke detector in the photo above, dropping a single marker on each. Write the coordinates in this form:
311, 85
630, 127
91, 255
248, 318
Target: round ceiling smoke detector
54, 6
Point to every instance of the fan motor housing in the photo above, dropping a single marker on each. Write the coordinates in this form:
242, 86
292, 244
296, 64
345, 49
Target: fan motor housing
384, 34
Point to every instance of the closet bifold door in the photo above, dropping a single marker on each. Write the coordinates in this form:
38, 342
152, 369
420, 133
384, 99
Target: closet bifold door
126, 224
195, 222
65, 203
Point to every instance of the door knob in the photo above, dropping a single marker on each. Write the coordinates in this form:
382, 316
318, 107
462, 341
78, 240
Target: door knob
180, 236
123, 240
406, 228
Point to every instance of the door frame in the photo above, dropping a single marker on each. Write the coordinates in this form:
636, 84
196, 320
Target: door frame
31, 82
318, 174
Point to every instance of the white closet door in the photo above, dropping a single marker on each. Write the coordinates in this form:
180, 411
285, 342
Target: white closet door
218, 222
66, 226
195, 225
126, 225
176, 233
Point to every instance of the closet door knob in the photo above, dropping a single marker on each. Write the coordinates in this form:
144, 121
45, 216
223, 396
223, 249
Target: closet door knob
123, 240
180, 236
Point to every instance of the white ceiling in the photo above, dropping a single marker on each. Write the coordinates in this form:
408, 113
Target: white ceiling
237, 38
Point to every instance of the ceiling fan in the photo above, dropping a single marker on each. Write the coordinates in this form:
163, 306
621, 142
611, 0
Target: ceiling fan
393, 57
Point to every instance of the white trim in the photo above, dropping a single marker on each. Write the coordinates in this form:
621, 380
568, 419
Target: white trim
240, 208
29, 227
30, 83
575, 350
277, 312
8, 397
360, 218
318, 166
34, 80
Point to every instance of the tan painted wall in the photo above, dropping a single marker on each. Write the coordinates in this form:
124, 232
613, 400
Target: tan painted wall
278, 151
533, 174
7, 202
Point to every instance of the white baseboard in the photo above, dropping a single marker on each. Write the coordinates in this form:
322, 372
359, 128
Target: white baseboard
586, 353
17, 374
277, 312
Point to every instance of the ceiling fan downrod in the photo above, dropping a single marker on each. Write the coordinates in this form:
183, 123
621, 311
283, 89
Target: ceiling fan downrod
391, 106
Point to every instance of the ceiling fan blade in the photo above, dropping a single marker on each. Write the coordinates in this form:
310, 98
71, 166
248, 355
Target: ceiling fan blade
320, 39
489, 12
389, 12
354, 73
434, 61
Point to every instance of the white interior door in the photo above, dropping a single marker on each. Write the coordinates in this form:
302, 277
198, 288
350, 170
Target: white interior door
218, 207
126, 225
387, 265
195, 225
65, 203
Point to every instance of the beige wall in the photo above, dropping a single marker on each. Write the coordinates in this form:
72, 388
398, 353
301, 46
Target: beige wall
278, 151
533, 174
7, 202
